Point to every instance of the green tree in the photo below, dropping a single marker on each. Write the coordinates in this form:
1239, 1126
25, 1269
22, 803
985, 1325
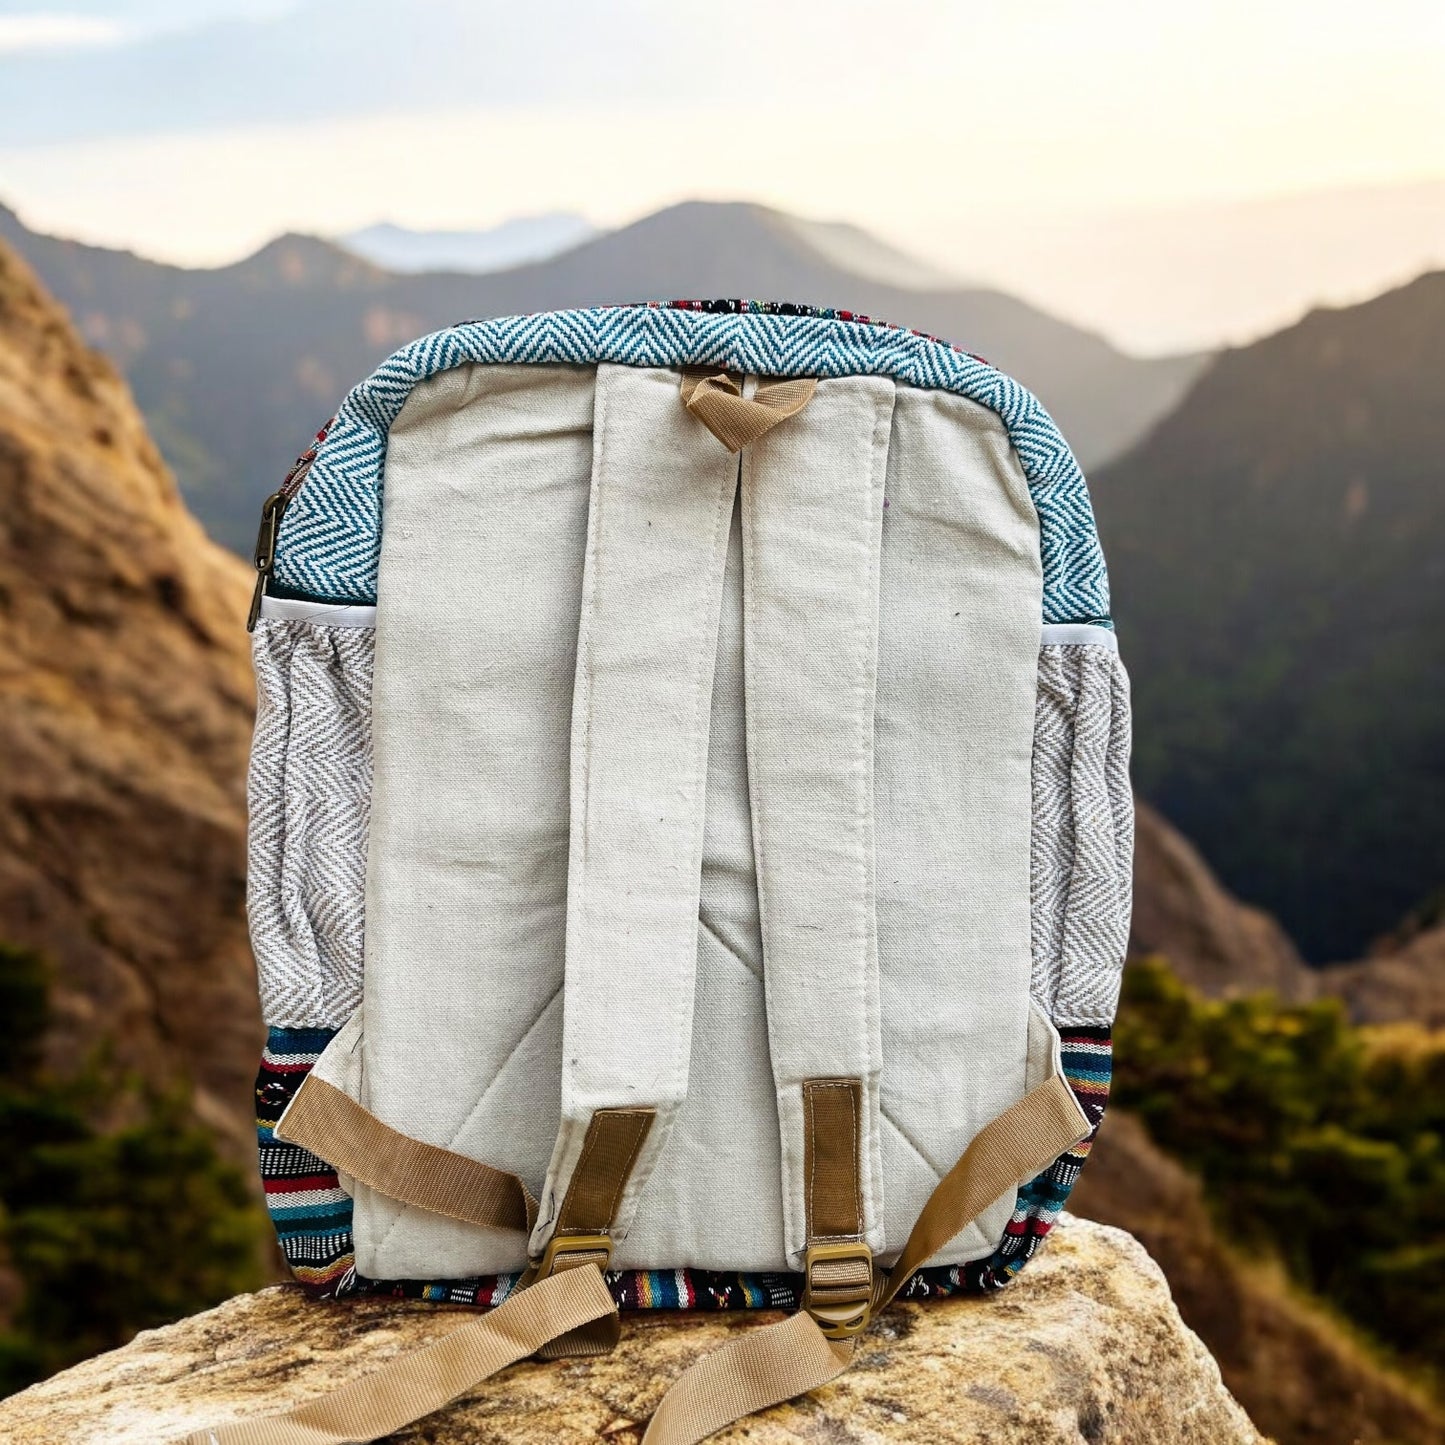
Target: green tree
109, 1232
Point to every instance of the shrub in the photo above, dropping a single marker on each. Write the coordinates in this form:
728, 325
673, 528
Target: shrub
1322, 1142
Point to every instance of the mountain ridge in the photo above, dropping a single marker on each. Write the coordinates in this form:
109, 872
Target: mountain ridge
236, 367
1277, 552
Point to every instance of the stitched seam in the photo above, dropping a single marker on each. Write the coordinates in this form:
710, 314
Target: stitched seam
711, 931
812, 1147
705, 662
584, 649
911, 1142
627, 1171
589, 1145
872, 1001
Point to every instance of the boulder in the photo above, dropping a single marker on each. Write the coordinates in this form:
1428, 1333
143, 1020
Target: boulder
1085, 1348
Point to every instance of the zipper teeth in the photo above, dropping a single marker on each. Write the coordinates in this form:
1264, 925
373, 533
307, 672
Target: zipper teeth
297, 475
301, 467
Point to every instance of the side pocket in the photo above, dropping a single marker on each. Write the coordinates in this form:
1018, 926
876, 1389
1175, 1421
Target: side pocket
309, 791
1081, 887
1081, 868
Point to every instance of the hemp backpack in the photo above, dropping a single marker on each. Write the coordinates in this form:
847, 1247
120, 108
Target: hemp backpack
690, 842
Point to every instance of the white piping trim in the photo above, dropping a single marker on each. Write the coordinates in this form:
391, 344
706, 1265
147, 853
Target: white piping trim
1078, 634
331, 614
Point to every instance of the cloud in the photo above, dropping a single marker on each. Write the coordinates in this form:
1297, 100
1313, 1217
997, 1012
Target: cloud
34, 33
326, 59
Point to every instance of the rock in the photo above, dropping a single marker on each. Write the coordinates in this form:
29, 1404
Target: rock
1086, 1348
1224, 947
128, 703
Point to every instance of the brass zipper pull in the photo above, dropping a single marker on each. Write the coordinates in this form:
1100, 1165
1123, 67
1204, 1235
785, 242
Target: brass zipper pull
264, 558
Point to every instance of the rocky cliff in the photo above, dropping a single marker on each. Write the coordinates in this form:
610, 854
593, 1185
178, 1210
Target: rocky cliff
126, 719
1087, 1347
1402, 980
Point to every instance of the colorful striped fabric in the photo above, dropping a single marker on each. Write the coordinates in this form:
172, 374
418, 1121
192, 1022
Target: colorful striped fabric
312, 1213
308, 1207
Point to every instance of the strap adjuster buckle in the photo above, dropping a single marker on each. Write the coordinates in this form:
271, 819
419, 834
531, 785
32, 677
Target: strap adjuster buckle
571, 1251
838, 1288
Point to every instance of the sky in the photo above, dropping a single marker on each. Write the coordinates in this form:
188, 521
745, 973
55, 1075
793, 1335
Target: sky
1173, 174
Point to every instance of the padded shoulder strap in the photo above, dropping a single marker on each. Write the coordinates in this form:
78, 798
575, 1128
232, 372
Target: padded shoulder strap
812, 500
661, 505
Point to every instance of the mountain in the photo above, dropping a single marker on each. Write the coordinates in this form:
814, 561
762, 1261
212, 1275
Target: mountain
513, 243
127, 715
235, 368
1277, 554
1403, 978
1214, 942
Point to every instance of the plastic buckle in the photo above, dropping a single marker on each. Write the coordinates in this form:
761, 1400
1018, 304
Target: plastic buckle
838, 1291
571, 1251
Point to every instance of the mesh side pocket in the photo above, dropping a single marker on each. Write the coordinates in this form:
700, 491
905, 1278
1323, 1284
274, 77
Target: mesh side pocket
1081, 873
309, 792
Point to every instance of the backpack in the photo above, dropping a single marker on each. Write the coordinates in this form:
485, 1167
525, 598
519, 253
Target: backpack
690, 842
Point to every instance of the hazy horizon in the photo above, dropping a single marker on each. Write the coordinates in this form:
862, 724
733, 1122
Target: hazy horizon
1154, 281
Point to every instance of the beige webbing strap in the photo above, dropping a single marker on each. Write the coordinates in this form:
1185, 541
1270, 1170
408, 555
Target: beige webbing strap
1021, 1142
775, 1364
336, 1128
832, 1185
716, 399
762, 1368
418, 1383
837, 1264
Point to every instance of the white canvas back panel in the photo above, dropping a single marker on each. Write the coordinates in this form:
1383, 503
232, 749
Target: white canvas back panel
488, 471
487, 483
959, 607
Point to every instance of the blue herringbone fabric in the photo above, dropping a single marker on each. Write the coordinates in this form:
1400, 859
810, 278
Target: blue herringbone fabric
331, 535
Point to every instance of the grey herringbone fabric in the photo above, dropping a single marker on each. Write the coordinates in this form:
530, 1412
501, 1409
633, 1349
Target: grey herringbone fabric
310, 800
1083, 834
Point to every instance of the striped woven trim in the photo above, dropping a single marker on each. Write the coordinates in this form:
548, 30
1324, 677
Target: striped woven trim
312, 1214
331, 534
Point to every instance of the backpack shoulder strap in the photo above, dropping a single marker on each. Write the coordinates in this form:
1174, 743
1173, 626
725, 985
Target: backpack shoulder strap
661, 506
812, 523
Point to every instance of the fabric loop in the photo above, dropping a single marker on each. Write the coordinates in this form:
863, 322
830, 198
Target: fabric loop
716, 399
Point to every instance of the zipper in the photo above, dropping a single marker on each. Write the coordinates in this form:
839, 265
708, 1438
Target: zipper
272, 510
